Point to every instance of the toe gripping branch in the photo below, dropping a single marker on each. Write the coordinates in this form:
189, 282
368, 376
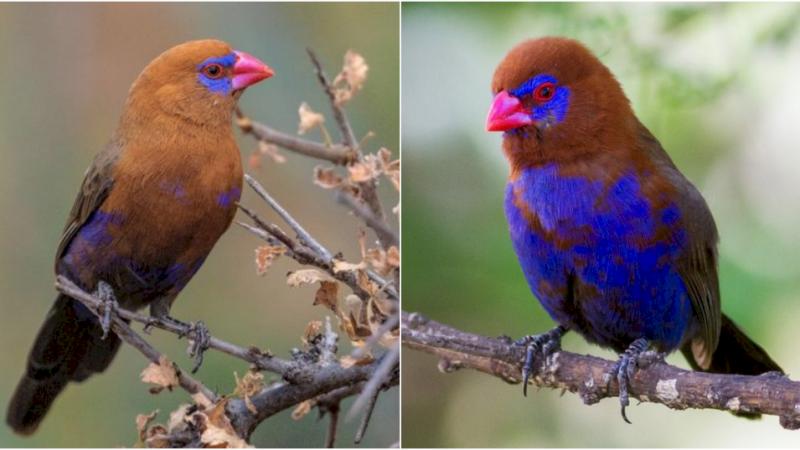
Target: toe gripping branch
106, 294
547, 343
624, 369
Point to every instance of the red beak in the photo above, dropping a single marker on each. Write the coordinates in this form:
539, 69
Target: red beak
248, 70
507, 113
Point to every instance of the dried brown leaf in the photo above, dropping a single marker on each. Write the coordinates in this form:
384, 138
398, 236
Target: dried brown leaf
177, 418
302, 410
308, 119
202, 401
306, 276
157, 437
163, 374
271, 150
251, 384
141, 424
353, 75
265, 256
349, 361
328, 295
327, 178
313, 329
343, 266
364, 171
219, 432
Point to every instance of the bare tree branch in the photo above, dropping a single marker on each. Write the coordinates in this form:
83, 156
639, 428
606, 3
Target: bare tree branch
382, 230
337, 154
310, 251
368, 189
654, 380
124, 331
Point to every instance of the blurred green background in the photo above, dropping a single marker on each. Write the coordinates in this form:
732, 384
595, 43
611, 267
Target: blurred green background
716, 83
69, 68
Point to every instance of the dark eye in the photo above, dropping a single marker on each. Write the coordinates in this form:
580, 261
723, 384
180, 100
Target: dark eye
213, 71
544, 92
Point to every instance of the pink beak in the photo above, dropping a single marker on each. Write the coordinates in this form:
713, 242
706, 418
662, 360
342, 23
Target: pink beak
507, 113
247, 70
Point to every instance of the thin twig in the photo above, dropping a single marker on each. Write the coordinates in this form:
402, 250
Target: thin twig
362, 428
389, 363
310, 253
333, 424
348, 136
385, 234
367, 189
124, 331
337, 154
268, 363
304, 236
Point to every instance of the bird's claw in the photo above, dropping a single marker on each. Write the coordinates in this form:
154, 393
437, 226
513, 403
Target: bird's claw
623, 370
199, 344
106, 294
547, 343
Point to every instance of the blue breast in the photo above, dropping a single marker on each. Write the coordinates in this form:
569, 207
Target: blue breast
599, 257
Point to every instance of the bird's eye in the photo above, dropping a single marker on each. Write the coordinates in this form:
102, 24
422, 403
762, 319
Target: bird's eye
544, 92
213, 70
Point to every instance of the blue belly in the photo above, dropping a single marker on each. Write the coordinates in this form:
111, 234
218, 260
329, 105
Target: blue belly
599, 258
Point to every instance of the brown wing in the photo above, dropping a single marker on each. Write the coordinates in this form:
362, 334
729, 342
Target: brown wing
698, 266
698, 269
95, 188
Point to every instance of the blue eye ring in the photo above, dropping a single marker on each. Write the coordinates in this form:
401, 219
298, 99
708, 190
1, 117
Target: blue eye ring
213, 71
544, 92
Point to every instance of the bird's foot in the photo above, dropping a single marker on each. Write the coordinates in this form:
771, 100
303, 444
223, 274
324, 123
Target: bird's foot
546, 343
623, 371
106, 294
152, 321
199, 344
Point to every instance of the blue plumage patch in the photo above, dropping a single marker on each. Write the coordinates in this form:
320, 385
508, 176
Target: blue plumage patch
556, 107
225, 199
607, 237
217, 85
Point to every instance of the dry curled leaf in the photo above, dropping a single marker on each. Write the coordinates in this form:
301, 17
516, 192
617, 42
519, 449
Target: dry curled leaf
251, 384
326, 177
364, 171
349, 361
313, 329
219, 432
302, 409
353, 75
308, 118
265, 255
384, 261
141, 424
306, 276
391, 169
328, 295
163, 374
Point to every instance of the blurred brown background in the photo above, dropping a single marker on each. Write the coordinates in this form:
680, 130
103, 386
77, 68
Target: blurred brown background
68, 70
717, 83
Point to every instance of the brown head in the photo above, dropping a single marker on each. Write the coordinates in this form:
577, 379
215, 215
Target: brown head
197, 82
556, 101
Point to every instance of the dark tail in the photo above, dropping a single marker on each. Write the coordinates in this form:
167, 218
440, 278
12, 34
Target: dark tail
736, 353
69, 347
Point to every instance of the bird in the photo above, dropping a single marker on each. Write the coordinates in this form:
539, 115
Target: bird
614, 241
152, 204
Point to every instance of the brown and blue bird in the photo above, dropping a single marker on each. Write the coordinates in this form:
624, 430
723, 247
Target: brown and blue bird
615, 243
151, 207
